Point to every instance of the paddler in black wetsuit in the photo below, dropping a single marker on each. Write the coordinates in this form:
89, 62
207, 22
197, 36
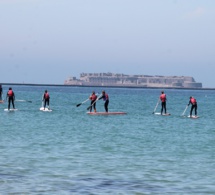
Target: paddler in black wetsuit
11, 98
105, 97
163, 102
1, 92
46, 98
193, 102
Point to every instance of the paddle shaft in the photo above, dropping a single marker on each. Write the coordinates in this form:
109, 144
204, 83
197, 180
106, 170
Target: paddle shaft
156, 105
184, 111
23, 101
82, 102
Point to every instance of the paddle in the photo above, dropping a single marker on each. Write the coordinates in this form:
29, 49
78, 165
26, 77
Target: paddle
23, 101
82, 102
156, 106
94, 102
184, 111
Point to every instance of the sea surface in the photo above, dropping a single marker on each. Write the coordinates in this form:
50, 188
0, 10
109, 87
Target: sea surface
67, 151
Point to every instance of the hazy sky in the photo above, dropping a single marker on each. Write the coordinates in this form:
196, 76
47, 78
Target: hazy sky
46, 41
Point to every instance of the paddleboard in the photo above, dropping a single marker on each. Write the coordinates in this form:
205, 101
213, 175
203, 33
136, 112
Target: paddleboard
158, 113
11, 110
1, 101
46, 109
106, 113
193, 116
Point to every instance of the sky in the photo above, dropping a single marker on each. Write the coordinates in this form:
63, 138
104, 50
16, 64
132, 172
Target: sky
47, 41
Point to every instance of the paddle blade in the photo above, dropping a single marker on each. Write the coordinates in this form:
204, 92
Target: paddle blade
78, 104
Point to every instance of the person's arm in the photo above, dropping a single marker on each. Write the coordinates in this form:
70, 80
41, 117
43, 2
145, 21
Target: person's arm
101, 97
189, 103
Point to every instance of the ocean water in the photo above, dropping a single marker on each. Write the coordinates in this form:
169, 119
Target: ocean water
67, 151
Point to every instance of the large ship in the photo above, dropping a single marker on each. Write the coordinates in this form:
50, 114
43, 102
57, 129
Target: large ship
123, 80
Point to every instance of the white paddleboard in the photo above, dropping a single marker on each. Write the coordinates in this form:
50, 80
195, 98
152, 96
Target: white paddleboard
46, 109
193, 116
11, 110
158, 113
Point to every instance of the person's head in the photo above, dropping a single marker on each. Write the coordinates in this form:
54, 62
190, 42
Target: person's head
103, 92
46, 91
190, 97
10, 88
93, 92
162, 92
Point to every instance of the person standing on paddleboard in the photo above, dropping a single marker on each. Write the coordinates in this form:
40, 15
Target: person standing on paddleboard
93, 99
105, 97
46, 98
1, 92
193, 102
11, 98
163, 102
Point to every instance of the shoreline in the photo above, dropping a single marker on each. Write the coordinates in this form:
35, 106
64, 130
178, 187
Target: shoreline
130, 87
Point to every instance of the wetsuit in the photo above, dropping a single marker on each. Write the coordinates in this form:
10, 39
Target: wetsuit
93, 98
163, 103
105, 97
46, 98
1, 92
193, 102
11, 98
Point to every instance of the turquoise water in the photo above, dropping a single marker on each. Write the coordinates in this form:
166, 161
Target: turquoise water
67, 151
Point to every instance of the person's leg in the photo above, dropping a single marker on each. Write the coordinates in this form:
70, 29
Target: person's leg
162, 105
106, 105
45, 104
94, 106
165, 107
196, 110
12, 99
91, 106
9, 99
191, 110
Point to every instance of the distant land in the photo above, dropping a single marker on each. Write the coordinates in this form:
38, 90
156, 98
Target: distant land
123, 80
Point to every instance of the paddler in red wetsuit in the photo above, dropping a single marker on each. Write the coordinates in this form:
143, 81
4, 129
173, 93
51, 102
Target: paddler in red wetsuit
46, 98
93, 98
193, 102
105, 97
163, 102
11, 98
